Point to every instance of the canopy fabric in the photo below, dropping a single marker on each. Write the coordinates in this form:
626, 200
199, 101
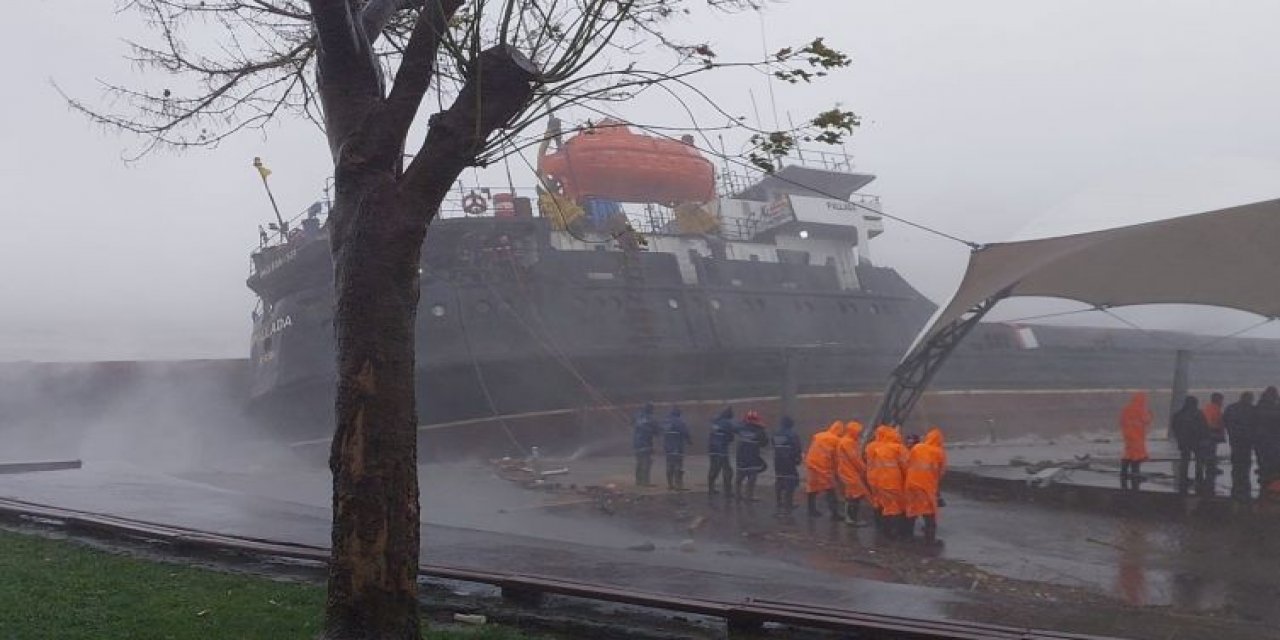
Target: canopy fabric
1225, 258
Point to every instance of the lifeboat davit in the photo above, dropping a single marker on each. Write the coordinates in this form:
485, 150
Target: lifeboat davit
610, 161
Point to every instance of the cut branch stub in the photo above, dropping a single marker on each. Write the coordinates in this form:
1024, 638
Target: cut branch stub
499, 87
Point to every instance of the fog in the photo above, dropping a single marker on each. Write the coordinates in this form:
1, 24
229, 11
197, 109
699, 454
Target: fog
980, 118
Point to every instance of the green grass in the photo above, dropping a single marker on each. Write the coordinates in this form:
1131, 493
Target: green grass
56, 589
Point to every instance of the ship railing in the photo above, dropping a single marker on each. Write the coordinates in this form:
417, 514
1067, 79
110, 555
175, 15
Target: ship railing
866, 200
475, 201
737, 181
839, 161
296, 229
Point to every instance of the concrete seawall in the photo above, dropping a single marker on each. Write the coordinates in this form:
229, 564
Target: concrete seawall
56, 404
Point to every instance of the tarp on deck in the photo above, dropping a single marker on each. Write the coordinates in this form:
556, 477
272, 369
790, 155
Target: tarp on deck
1225, 258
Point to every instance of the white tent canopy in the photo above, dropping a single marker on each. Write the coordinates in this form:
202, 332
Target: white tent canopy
1226, 258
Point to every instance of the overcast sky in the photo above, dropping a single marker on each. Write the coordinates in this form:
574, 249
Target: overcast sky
987, 119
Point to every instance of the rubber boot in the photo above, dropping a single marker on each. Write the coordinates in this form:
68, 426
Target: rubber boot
813, 506
908, 528
851, 512
751, 488
931, 529
833, 504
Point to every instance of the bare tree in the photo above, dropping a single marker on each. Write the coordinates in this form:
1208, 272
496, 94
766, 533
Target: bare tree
361, 69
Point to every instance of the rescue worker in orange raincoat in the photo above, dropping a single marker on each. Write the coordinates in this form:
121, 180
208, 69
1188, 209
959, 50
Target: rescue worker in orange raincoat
926, 462
1217, 432
820, 468
886, 460
852, 469
1135, 419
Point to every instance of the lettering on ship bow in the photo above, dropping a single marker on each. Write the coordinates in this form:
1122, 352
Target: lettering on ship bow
278, 262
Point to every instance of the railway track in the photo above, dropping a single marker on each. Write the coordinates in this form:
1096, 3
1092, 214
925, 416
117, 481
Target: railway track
741, 618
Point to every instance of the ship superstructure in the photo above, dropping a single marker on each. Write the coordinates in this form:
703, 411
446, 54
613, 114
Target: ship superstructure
574, 293
633, 271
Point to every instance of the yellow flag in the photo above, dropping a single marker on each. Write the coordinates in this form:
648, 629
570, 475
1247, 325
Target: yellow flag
262, 169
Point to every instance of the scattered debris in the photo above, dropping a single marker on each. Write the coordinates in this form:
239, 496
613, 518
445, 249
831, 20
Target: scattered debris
697, 524
1046, 476
1104, 543
470, 618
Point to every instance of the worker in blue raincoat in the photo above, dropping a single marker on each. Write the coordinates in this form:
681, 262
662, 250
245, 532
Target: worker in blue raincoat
752, 439
675, 435
718, 443
786, 466
644, 431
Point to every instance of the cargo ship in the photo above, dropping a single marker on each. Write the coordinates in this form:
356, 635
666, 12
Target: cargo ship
636, 271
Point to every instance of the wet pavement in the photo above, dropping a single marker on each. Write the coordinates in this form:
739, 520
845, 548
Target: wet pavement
475, 519
1187, 564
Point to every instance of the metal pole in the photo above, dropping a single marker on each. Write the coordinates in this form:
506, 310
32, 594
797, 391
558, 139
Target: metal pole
1181, 384
257, 164
790, 380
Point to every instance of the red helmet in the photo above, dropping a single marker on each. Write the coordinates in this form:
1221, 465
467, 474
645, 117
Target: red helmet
753, 417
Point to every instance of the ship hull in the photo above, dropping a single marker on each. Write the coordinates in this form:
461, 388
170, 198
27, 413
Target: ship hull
507, 332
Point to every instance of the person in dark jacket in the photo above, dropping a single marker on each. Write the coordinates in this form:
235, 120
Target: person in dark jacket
674, 438
718, 443
1191, 432
752, 439
1266, 432
644, 431
1238, 418
786, 466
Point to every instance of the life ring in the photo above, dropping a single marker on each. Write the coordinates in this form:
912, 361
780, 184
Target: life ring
474, 204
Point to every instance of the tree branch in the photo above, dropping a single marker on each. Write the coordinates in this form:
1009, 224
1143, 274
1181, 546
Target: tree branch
377, 13
348, 76
417, 67
500, 85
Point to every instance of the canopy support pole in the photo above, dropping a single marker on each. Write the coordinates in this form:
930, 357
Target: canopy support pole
912, 376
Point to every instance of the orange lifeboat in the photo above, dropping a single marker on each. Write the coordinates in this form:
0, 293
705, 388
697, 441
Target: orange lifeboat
611, 162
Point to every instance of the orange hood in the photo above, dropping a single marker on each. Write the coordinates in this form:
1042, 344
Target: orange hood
836, 429
886, 433
1138, 400
934, 437
853, 429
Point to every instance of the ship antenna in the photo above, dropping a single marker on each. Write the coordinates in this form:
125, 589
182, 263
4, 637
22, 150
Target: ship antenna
724, 162
506, 161
264, 172
799, 151
764, 47
755, 108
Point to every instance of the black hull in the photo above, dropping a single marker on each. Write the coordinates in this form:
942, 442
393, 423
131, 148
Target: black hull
511, 387
563, 330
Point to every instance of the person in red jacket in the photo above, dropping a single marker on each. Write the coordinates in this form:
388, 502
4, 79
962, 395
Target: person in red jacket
1135, 419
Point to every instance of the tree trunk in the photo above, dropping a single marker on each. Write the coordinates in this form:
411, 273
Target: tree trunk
376, 231
375, 540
